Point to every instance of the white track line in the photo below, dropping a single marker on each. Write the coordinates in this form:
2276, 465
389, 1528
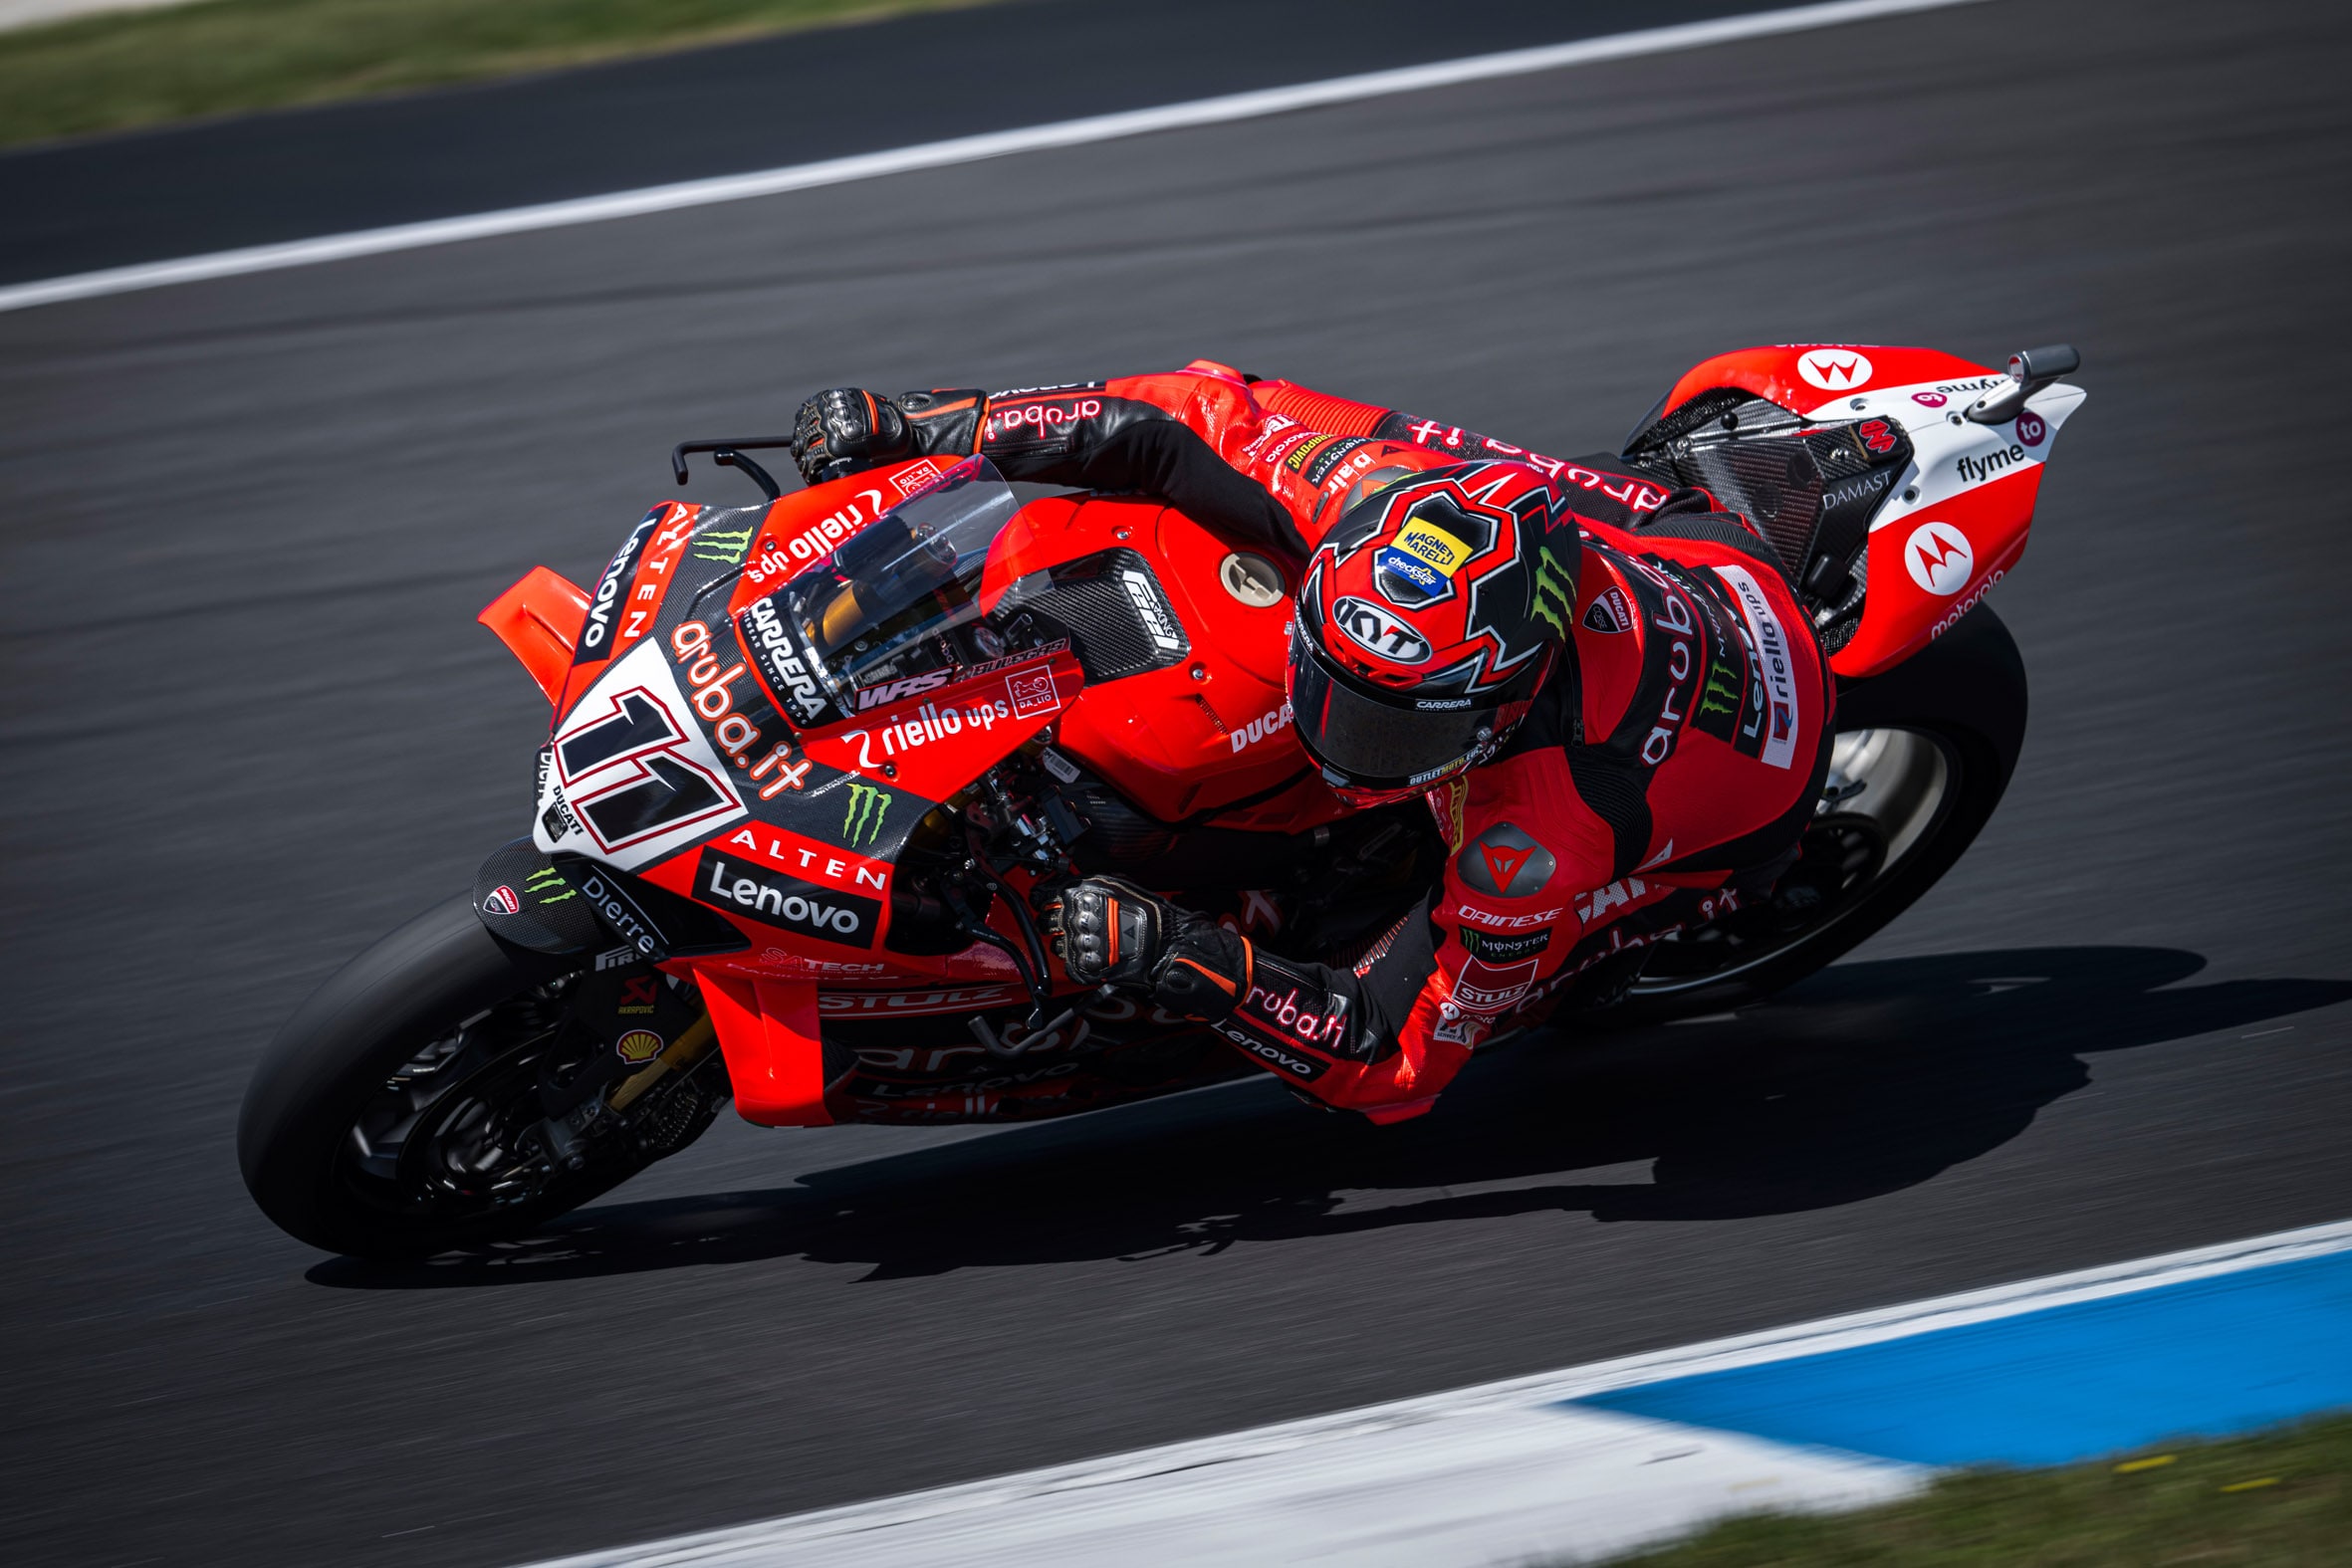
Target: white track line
940, 154
1292, 1463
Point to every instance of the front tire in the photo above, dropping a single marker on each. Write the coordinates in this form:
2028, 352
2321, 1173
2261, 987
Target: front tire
391, 1117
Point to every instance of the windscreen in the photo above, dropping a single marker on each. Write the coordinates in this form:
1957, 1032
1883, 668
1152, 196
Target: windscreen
896, 608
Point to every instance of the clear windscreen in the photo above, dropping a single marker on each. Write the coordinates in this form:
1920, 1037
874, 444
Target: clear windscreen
900, 601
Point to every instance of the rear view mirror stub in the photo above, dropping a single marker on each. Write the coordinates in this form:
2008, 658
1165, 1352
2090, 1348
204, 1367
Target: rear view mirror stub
2030, 369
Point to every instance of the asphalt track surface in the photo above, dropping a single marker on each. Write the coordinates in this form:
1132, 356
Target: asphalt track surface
250, 725
253, 181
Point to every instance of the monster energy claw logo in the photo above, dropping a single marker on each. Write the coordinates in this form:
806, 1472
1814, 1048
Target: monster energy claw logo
722, 547
1723, 689
1553, 582
547, 886
863, 823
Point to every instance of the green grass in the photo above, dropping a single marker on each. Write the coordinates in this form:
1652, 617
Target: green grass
227, 57
2281, 1499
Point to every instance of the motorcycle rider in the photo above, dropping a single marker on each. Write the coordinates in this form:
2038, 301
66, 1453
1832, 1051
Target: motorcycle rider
1607, 691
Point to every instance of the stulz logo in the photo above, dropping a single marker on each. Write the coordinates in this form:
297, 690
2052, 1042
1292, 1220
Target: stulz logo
1939, 558
1370, 627
1834, 370
787, 902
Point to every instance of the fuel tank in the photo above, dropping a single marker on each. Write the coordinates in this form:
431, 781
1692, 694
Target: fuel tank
1184, 637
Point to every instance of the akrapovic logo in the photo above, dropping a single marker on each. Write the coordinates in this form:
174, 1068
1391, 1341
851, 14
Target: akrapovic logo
774, 899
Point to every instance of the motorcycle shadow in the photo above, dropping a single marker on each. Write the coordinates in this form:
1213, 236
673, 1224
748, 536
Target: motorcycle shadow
1863, 1081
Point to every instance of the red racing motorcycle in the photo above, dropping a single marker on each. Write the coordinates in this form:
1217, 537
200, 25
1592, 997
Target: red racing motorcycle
816, 765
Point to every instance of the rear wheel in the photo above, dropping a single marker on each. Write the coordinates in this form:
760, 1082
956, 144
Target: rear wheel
404, 1109
1921, 756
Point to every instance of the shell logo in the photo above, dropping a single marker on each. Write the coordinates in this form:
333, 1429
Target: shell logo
639, 1045
1834, 370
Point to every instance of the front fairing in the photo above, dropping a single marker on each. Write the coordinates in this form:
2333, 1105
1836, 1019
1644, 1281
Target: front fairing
779, 701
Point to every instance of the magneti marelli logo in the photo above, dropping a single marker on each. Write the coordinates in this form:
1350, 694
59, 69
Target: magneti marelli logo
862, 824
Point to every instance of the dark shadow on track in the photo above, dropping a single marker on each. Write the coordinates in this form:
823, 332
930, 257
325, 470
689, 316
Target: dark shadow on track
1861, 1082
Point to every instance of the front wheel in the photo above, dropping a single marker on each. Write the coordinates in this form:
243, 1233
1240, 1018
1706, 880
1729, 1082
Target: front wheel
403, 1110
1921, 756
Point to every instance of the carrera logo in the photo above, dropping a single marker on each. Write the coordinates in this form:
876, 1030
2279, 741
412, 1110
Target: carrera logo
1834, 370
1375, 630
1940, 559
1503, 862
898, 691
787, 902
763, 632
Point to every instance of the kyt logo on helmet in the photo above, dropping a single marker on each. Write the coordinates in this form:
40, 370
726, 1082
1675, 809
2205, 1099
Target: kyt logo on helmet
1424, 630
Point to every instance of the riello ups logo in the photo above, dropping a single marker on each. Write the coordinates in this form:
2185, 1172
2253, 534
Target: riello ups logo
759, 893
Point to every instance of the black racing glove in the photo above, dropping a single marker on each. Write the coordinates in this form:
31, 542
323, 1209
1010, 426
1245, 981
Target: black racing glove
1113, 932
845, 428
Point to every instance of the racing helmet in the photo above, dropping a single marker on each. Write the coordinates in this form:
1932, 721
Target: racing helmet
1430, 615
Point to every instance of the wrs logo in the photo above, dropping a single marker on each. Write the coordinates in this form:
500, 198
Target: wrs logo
1834, 370
862, 826
1939, 558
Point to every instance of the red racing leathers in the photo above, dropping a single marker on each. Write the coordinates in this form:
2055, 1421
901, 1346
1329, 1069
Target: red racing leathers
1664, 775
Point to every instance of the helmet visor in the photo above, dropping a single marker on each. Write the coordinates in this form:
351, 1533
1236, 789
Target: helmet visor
1383, 742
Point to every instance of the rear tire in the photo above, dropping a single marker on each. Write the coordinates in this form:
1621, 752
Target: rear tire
370, 1031
1950, 716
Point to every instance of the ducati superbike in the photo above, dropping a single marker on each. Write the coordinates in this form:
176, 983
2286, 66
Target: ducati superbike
817, 764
